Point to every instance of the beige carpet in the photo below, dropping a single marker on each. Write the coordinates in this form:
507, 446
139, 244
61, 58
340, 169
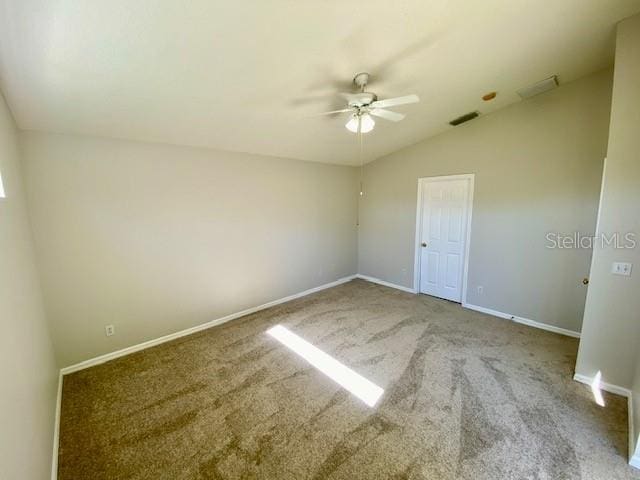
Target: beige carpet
466, 395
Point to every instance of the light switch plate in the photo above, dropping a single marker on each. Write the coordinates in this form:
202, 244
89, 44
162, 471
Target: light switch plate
621, 268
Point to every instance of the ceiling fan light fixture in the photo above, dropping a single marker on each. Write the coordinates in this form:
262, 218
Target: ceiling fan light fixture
366, 123
352, 124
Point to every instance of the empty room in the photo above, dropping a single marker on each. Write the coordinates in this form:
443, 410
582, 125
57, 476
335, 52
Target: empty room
320, 240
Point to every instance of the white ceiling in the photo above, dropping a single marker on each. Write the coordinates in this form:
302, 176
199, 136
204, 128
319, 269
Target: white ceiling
245, 75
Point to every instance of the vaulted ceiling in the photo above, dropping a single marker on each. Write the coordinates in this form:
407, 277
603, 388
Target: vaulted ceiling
249, 75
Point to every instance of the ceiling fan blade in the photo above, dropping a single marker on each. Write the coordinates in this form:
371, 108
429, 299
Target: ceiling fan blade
333, 112
386, 114
392, 102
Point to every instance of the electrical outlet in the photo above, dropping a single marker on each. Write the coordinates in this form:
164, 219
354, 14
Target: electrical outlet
621, 268
480, 289
109, 330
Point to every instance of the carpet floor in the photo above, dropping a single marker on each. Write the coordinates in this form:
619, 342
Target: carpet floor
466, 396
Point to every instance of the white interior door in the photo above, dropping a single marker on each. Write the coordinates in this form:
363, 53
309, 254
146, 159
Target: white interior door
443, 236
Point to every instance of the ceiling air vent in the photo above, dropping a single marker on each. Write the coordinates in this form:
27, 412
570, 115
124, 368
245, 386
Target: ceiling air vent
538, 88
464, 118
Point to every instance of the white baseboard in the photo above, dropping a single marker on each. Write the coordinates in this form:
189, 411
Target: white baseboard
607, 387
488, 311
522, 320
56, 429
172, 336
385, 283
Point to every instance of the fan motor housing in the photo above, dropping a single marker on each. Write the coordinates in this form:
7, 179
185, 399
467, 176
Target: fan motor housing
362, 99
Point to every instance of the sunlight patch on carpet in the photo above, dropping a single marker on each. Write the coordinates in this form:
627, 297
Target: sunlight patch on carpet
355, 383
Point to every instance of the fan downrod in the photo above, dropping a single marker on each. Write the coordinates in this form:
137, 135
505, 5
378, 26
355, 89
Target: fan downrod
361, 80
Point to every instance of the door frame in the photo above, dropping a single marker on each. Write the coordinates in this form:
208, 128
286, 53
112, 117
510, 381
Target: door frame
422, 181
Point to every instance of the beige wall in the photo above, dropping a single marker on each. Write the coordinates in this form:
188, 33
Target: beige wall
538, 167
611, 333
154, 238
28, 371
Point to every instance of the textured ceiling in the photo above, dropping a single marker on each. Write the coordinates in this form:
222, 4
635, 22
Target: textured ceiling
248, 75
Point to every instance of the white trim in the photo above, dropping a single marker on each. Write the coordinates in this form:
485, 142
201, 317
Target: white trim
488, 311
602, 183
56, 430
587, 300
471, 177
522, 320
385, 283
607, 387
416, 252
465, 274
172, 336
546, 326
634, 450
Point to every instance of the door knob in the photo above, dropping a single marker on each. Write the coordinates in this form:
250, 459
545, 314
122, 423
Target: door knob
424, 244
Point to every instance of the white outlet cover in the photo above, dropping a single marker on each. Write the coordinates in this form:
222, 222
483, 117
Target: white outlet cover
621, 268
109, 330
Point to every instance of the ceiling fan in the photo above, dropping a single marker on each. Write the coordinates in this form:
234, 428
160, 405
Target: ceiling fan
364, 105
